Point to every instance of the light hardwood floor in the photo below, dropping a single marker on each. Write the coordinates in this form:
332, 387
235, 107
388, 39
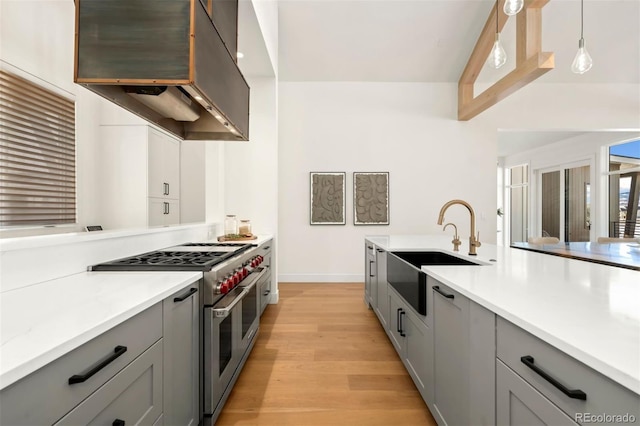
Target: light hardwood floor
322, 358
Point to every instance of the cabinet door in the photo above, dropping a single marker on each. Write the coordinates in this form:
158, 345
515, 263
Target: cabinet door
155, 148
451, 356
395, 309
181, 321
369, 263
418, 353
173, 212
518, 403
382, 305
157, 211
171, 154
164, 165
133, 396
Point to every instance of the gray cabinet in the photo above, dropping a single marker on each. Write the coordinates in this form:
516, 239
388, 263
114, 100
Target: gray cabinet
30, 402
264, 285
464, 358
133, 396
567, 384
370, 278
518, 403
412, 339
181, 325
380, 287
145, 371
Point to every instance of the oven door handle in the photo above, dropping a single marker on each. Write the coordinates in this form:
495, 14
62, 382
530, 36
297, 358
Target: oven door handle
255, 281
224, 312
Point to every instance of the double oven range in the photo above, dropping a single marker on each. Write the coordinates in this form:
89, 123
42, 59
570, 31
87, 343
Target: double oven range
233, 275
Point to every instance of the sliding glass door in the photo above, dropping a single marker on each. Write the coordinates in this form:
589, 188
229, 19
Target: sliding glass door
566, 204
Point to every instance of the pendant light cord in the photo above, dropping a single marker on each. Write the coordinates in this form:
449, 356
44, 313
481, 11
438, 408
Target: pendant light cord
497, 17
581, 19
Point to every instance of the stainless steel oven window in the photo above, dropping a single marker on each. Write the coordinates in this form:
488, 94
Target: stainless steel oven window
249, 310
225, 343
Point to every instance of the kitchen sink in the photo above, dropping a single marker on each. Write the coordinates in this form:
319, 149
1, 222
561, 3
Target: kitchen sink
404, 273
419, 258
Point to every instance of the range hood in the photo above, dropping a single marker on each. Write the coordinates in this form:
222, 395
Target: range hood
165, 61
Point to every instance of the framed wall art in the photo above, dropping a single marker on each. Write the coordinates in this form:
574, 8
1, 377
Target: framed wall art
327, 205
371, 198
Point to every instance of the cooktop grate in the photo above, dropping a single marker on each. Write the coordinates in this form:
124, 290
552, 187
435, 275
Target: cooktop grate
171, 260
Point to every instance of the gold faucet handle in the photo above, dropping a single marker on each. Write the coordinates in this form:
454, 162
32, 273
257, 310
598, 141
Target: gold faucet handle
478, 243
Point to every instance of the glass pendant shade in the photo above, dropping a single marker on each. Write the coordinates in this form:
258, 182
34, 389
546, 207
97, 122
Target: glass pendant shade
512, 7
498, 56
582, 62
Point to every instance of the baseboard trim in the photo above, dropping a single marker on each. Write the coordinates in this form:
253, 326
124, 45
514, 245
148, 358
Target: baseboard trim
319, 278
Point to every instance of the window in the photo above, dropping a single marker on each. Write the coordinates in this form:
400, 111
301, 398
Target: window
624, 189
37, 155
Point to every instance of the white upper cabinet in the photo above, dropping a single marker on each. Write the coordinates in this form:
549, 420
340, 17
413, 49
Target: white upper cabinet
138, 177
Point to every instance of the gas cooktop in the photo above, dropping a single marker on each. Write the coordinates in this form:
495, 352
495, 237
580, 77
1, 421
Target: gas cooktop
186, 257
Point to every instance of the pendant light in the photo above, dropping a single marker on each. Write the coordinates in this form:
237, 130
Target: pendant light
512, 7
498, 56
582, 62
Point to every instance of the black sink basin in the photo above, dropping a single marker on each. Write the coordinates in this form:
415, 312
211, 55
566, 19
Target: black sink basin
419, 258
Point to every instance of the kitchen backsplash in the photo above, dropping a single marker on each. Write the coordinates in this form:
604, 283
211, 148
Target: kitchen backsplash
30, 260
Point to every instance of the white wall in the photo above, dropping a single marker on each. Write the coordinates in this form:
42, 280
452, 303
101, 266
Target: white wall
410, 130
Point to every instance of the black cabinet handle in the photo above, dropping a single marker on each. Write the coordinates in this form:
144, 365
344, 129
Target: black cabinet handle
370, 265
398, 320
379, 250
369, 247
571, 393
401, 328
267, 247
447, 295
80, 378
266, 293
186, 296
117, 422
165, 187
168, 206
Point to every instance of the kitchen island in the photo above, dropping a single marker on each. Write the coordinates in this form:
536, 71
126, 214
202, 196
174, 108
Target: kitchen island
585, 312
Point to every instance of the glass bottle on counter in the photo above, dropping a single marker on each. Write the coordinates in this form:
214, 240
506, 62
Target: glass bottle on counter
230, 225
245, 228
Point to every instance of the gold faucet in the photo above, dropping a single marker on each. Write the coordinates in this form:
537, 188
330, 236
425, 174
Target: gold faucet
456, 241
473, 241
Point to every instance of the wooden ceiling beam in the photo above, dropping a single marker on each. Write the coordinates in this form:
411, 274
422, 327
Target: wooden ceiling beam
531, 62
524, 74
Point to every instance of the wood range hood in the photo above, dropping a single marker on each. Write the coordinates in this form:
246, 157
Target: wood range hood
167, 62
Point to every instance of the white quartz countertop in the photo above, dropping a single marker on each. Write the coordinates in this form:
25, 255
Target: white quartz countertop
44, 321
587, 310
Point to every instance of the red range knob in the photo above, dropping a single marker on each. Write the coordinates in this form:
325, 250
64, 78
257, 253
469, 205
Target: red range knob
254, 263
229, 282
237, 277
224, 288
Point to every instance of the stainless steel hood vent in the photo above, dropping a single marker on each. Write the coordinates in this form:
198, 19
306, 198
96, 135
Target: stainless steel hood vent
165, 61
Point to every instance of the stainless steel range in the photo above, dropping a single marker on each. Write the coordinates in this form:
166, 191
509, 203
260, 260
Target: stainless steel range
232, 275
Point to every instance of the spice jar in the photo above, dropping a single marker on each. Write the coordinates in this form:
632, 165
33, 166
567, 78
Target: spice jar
230, 225
245, 228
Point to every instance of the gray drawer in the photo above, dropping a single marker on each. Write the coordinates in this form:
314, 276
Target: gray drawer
134, 395
603, 395
45, 396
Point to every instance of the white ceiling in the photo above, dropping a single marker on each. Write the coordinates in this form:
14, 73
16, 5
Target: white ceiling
430, 40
